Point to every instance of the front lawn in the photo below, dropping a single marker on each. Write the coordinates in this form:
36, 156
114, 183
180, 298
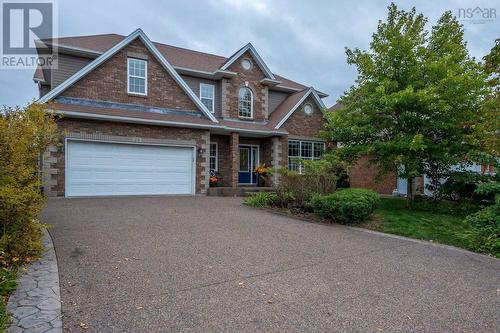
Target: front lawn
393, 217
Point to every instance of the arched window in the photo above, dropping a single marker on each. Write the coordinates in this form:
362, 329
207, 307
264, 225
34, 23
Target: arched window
245, 109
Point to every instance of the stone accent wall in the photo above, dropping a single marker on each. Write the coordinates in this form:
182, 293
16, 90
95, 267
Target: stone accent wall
363, 175
49, 173
234, 141
265, 107
274, 151
252, 77
108, 82
224, 98
303, 125
53, 164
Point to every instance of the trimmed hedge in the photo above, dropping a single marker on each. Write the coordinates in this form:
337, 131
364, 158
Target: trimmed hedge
347, 206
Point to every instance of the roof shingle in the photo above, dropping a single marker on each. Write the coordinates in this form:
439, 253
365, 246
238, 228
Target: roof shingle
177, 56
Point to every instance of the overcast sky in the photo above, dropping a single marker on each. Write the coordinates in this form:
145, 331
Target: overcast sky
301, 40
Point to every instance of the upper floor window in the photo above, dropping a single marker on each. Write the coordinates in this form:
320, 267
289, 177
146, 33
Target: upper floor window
245, 109
207, 95
137, 76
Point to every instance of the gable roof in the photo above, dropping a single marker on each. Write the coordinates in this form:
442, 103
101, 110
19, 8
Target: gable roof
291, 104
94, 45
112, 51
249, 47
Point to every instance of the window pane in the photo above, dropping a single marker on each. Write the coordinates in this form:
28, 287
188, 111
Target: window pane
306, 149
208, 103
245, 103
137, 68
294, 148
213, 163
244, 165
294, 164
213, 156
319, 147
137, 85
206, 90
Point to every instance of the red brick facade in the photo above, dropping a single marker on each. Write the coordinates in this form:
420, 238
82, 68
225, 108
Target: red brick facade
302, 124
364, 175
223, 157
108, 82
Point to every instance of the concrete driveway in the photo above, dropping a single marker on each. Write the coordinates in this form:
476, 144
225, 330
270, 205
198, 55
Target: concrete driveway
208, 264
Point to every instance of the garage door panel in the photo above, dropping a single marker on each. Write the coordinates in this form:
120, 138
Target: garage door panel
96, 168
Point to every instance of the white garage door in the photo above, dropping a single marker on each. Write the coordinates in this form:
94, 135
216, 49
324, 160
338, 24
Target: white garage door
98, 168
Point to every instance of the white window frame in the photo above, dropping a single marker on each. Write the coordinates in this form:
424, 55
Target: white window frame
213, 95
300, 157
138, 77
216, 156
251, 103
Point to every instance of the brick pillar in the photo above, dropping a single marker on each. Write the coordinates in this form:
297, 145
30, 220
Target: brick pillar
234, 151
279, 154
205, 163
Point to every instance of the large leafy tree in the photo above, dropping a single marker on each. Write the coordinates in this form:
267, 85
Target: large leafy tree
487, 130
414, 99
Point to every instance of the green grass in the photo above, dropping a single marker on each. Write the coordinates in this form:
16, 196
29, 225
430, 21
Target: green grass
8, 283
393, 217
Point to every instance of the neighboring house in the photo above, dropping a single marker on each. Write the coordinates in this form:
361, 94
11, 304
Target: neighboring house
144, 118
364, 174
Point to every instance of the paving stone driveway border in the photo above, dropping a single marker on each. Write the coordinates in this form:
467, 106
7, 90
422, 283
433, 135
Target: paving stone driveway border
36, 304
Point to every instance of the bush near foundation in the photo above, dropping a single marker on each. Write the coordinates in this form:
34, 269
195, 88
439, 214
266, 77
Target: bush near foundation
347, 206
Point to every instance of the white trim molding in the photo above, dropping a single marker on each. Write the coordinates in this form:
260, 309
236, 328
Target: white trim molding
251, 103
115, 49
145, 78
127, 141
212, 87
316, 98
249, 47
210, 156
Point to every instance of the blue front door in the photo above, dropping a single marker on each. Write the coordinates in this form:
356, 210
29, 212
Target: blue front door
249, 158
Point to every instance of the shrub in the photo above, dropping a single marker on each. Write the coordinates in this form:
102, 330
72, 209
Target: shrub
261, 199
347, 206
485, 234
488, 190
24, 135
294, 189
462, 184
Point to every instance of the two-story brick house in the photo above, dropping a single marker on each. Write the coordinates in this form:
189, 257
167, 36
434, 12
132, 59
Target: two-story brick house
143, 118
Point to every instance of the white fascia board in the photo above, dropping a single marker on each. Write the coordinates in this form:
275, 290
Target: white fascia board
253, 52
316, 98
112, 51
218, 74
176, 76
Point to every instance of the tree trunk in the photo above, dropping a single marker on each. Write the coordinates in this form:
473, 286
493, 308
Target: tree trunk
409, 191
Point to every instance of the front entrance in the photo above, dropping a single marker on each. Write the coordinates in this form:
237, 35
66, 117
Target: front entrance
249, 160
